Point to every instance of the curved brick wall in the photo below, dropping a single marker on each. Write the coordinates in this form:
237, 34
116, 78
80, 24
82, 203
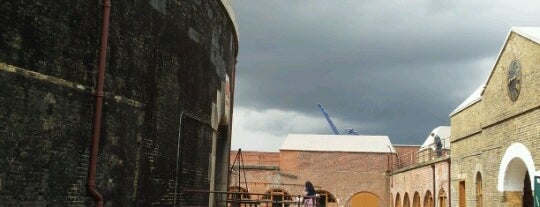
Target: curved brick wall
168, 63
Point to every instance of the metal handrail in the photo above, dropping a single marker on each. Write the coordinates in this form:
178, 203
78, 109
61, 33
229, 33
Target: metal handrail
238, 199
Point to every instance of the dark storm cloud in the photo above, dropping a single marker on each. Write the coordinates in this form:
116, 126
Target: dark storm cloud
398, 66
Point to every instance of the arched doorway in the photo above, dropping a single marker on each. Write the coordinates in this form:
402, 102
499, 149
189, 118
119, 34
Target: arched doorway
428, 199
235, 196
364, 199
528, 199
514, 179
325, 198
442, 198
479, 202
416, 200
277, 197
406, 202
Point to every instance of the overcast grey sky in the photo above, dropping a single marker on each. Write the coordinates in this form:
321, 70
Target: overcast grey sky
390, 67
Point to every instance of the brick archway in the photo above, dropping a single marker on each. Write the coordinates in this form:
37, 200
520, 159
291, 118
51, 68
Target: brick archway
364, 199
428, 199
515, 175
416, 200
517, 160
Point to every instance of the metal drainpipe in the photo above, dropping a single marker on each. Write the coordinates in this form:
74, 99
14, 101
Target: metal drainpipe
434, 192
449, 182
98, 199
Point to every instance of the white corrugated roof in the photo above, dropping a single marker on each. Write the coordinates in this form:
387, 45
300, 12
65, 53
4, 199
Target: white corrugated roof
338, 143
443, 132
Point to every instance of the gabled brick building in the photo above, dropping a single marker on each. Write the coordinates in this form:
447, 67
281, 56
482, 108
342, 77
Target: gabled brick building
493, 136
495, 132
345, 169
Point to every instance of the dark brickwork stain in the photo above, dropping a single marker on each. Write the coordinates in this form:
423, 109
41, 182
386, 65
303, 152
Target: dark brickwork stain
150, 150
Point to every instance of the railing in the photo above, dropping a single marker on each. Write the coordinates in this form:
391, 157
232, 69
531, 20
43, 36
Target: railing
245, 199
414, 157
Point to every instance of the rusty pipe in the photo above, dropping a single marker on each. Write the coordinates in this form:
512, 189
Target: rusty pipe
96, 126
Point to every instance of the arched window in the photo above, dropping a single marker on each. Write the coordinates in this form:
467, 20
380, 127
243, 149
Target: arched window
416, 199
428, 199
442, 198
277, 196
236, 192
324, 198
478, 189
398, 201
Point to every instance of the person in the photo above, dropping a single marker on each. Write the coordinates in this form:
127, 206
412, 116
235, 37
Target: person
438, 144
309, 199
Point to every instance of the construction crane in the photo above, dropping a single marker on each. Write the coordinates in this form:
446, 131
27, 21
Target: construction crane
331, 123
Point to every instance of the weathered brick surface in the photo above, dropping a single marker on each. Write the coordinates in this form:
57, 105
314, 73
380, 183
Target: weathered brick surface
406, 155
257, 158
482, 133
343, 174
167, 64
419, 179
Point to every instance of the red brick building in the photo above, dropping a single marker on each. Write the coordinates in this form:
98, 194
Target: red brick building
345, 169
348, 171
420, 178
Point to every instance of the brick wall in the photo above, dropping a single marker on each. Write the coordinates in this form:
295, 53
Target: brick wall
482, 133
406, 155
343, 174
167, 65
256, 158
418, 179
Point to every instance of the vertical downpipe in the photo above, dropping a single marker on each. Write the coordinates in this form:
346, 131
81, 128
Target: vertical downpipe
449, 184
178, 141
434, 192
98, 199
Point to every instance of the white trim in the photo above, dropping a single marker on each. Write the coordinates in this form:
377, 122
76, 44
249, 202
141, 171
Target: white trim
531, 33
475, 97
509, 178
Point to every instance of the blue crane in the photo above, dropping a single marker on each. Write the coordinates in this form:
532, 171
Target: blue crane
331, 123
334, 129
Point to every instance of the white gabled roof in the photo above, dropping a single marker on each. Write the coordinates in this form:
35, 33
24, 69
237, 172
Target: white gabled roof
338, 143
473, 98
443, 132
531, 33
